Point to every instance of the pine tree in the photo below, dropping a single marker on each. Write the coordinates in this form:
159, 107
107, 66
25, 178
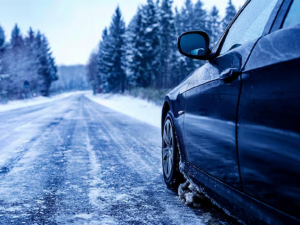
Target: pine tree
2, 38
2, 42
53, 68
46, 67
16, 38
230, 13
92, 71
29, 40
151, 32
167, 42
2, 65
179, 61
191, 17
31, 61
187, 16
115, 76
98, 80
143, 47
27, 61
200, 18
146, 51
136, 52
215, 26
178, 22
103, 65
43, 69
130, 38
15, 61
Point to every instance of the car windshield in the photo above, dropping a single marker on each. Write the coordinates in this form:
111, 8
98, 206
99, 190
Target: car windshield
249, 25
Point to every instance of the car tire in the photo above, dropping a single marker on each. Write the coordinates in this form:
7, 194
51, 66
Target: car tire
170, 155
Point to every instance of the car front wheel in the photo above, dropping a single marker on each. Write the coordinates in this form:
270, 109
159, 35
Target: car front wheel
170, 155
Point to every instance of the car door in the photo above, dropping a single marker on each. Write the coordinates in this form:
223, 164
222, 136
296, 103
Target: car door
212, 97
269, 118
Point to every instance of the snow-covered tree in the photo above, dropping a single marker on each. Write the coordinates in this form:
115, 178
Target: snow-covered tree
200, 18
47, 69
16, 40
2, 37
115, 77
3, 75
146, 51
187, 17
92, 71
167, 42
136, 51
31, 59
230, 13
2, 42
143, 47
27, 64
151, 26
100, 82
214, 25
42, 62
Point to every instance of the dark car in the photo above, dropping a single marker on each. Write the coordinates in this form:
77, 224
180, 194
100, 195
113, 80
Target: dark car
233, 126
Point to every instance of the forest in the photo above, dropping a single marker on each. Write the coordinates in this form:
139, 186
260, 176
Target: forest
71, 78
27, 67
140, 56
144, 54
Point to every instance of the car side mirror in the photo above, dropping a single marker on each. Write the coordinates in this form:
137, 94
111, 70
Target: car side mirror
195, 45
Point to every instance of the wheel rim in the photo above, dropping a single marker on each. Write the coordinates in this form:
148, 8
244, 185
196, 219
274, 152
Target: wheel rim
167, 152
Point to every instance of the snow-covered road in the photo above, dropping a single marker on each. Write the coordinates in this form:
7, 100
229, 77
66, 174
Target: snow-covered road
73, 161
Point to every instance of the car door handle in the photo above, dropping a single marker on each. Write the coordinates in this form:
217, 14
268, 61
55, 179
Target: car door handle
229, 74
180, 112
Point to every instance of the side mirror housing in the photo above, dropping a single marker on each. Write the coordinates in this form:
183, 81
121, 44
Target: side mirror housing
195, 45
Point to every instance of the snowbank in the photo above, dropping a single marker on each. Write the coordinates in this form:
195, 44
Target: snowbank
34, 101
137, 108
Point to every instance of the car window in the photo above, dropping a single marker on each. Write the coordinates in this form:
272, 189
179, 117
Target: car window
250, 24
293, 16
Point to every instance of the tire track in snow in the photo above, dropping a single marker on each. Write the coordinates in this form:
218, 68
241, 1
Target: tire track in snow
125, 149
93, 166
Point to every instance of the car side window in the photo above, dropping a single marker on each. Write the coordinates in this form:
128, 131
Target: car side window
293, 16
249, 25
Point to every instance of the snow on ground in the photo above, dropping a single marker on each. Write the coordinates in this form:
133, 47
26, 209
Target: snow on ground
34, 101
137, 108
73, 161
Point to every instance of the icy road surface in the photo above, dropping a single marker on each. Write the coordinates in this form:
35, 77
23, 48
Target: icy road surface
73, 161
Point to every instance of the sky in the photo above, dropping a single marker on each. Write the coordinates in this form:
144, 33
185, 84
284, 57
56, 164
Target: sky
74, 27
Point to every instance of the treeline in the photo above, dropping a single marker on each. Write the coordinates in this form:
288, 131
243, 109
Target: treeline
71, 78
27, 67
144, 54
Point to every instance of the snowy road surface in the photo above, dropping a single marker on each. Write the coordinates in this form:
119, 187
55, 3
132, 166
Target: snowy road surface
73, 161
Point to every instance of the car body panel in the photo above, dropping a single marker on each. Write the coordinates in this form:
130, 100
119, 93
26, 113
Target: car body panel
269, 119
210, 136
250, 161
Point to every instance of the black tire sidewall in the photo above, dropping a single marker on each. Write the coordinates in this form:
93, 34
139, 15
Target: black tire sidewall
171, 181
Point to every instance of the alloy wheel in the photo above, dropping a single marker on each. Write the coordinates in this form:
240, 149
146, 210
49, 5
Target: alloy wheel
168, 148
